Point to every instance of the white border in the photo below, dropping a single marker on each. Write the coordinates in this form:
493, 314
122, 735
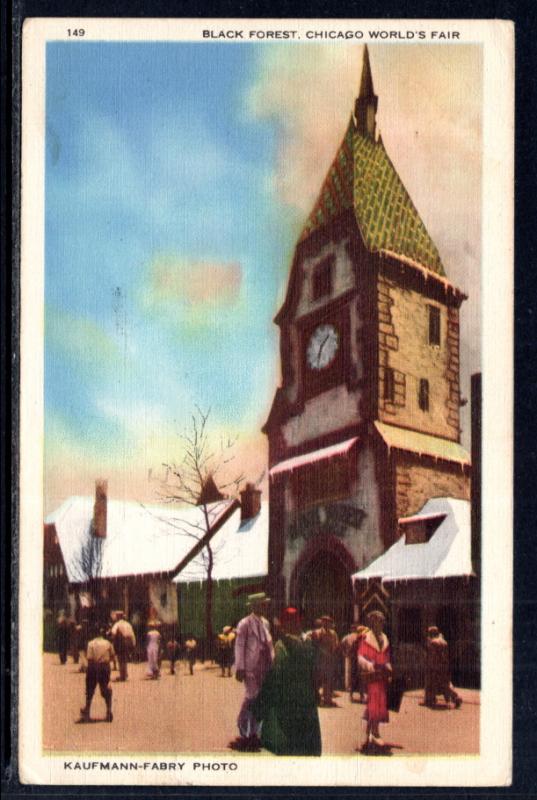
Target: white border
493, 766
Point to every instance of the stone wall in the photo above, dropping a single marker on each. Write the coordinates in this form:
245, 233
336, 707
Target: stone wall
403, 320
362, 539
334, 409
417, 482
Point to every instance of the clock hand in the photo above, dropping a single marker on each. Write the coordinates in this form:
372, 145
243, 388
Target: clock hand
326, 338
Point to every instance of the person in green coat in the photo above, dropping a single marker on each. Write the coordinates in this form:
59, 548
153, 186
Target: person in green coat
287, 702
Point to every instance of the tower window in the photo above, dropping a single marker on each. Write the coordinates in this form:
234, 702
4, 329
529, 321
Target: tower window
389, 384
434, 325
423, 397
322, 279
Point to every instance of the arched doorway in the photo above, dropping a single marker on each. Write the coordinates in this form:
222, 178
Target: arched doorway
324, 587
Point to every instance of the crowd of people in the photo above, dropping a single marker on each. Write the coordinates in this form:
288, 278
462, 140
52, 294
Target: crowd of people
287, 672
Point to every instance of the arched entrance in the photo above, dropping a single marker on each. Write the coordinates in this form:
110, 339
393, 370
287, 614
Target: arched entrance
324, 587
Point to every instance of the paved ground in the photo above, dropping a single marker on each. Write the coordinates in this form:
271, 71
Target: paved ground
189, 714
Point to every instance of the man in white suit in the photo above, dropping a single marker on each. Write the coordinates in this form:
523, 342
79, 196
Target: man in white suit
254, 653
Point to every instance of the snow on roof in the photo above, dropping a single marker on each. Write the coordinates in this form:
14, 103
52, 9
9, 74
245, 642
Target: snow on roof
446, 554
422, 443
311, 458
140, 539
426, 272
240, 550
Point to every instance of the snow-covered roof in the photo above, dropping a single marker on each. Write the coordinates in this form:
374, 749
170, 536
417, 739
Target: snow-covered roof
290, 464
448, 553
240, 550
140, 539
425, 271
422, 443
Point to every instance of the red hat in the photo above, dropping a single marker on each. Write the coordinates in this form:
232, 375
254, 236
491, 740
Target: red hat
290, 616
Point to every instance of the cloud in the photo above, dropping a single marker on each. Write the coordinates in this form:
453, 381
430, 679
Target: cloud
197, 302
207, 283
81, 338
308, 92
136, 473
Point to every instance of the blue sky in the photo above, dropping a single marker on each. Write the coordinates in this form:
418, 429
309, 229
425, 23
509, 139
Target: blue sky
157, 178
177, 179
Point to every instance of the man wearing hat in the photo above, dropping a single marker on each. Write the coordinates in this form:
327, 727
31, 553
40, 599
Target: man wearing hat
254, 653
437, 677
124, 642
327, 642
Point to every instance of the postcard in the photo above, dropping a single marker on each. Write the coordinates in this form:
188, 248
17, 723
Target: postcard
266, 401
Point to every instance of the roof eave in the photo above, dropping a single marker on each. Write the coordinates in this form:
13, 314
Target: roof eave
424, 271
215, 527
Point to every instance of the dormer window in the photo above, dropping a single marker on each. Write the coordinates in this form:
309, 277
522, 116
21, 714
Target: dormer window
322, 279
419, 530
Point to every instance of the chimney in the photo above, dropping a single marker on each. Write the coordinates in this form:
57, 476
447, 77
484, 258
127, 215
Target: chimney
100, 509
210, 493
250, 502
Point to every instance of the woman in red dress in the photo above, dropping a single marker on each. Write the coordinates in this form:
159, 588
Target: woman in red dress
375, 666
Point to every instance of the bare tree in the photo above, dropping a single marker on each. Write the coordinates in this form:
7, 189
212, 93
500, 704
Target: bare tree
200, 478
88, 565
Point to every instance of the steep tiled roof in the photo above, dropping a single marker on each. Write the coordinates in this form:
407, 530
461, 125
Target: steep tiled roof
363, 177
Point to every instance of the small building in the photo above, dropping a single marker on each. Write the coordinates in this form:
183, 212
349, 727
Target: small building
240, 553
105, 554
426, 578
102, 555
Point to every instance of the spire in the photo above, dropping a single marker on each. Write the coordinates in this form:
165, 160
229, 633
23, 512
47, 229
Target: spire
366, 84
365, 108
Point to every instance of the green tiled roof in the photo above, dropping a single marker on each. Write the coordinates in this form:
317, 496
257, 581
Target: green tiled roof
362, 176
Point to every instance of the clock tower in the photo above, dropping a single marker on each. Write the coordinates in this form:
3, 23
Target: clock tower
365, 425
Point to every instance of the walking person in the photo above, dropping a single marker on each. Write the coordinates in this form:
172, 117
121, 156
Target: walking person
76, 635
191, 650
374, 661
110, 636
172, 649
437, 674
349, 648
327, 642
226, 643
153, 640
63, 633
84, 638
254, 653
99, 656
124, 642
287, 703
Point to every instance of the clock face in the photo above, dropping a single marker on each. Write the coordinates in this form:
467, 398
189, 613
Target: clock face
322, 347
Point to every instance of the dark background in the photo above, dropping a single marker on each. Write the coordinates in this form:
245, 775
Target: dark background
525, 528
